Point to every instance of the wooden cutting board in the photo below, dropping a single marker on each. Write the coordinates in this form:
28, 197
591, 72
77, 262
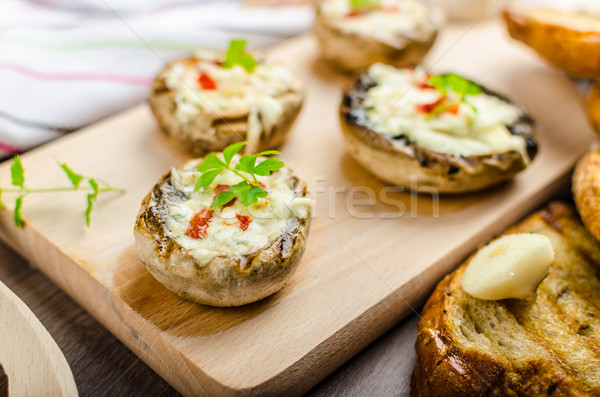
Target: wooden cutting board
364, 267
31, 363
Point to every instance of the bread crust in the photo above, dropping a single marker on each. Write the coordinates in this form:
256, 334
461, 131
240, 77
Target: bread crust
573, 50
212, 132
586, 190
419, 168
352, 52
593, 107
447, 367
231, 280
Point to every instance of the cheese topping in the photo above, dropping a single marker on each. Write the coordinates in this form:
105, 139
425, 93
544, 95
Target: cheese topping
402, 106
236, 92
233, 229
391, 21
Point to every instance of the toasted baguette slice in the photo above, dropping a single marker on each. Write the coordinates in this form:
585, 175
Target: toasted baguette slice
568, 40
546, 345
593, 107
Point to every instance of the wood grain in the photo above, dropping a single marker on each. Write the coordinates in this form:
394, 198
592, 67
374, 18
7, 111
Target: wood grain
365, 267
31, 361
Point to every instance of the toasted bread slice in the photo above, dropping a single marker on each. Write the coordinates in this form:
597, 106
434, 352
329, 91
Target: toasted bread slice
568, 40
593, 107
546, 345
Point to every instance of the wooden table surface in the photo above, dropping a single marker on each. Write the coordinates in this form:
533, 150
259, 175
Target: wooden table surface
103, 366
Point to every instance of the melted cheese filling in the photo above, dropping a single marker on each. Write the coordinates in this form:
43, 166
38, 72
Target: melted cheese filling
392, 20
270, 217
392, 110
237, 94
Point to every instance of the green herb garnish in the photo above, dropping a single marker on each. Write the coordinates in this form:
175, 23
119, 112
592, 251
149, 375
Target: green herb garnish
456, 84
364, 5
249, 190
17, 174
237, 56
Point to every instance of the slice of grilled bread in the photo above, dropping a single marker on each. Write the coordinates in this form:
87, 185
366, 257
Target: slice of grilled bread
569, 38
548, 344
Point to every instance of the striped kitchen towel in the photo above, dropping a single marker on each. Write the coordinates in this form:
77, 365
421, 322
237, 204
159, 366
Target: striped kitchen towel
67, 63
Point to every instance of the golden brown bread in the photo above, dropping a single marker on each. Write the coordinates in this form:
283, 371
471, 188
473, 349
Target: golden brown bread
593, 107
569, 41
546, 345
586, 190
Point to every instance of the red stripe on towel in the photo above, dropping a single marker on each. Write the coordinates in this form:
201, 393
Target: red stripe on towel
7, 147
112, 78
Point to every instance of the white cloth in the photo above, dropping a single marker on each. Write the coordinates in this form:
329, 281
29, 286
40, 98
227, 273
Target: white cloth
67, 63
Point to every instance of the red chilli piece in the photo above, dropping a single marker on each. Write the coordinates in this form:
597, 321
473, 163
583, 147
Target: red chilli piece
423, 83
453, 109
243, 221
206, 82
354, 14
220, 189
261, 184
428, 107
199, 224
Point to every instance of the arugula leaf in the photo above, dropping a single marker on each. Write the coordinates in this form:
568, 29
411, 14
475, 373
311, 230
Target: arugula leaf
206, 179
250, 196
246, 194
91, 198
462, 86
364, 5
18, 216
454, 82
248, 190
73, 177
438, 82
231, 151
236, 56
269, 153
269, 165
211, 162
17, 173
224, 198
247, 163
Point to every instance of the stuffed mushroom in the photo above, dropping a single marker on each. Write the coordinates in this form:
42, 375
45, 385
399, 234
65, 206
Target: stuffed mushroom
229, 254
445, 132
355, 34
215, 99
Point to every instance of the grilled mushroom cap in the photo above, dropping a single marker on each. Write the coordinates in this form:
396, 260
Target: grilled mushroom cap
226, 280
211, 131
353, 52
401, 162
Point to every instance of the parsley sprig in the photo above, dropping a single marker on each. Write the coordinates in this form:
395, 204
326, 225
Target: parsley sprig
236, 55
17, 173
456, 84
364, 5
249, 190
